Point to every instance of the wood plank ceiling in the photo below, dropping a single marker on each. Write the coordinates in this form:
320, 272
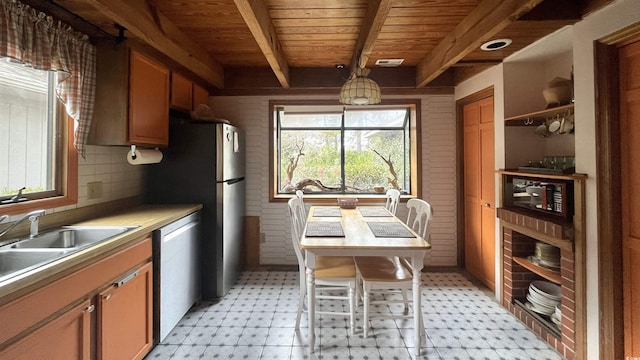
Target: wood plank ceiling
294, 44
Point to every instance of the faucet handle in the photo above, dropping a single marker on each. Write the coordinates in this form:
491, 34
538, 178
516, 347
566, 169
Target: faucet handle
33, 218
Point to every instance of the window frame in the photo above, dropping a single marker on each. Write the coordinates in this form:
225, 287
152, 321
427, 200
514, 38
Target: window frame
414, 135
68, 192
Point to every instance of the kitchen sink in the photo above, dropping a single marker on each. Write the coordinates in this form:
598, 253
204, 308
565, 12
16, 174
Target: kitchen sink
21, 255
16, 261
72, 237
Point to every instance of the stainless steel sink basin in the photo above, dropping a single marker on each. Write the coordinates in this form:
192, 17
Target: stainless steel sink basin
21, 255
18, 261
72, 237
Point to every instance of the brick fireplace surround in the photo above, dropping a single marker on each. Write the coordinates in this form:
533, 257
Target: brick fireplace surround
516, 278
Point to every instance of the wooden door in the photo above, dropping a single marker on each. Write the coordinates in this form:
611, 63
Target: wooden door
148, 101
479, 182
630, 174
125, 317
66, 337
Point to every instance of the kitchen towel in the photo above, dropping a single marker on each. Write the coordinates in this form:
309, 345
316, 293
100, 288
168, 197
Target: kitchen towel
144, 156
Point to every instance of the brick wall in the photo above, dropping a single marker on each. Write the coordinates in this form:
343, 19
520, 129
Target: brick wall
251, 113
516, 280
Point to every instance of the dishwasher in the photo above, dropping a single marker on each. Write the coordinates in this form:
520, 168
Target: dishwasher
176, 272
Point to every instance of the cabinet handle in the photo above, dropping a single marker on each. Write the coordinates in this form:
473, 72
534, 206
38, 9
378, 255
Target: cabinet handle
90, 308
126, 279
487, 205
106, 297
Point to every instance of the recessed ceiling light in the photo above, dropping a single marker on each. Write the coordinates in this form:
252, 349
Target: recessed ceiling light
389, 62
495, 44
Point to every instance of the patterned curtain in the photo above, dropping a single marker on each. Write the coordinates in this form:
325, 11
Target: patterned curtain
36, 40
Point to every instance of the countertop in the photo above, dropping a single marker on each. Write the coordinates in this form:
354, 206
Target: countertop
147, 217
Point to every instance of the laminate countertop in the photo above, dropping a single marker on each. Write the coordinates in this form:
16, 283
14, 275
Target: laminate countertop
147, 218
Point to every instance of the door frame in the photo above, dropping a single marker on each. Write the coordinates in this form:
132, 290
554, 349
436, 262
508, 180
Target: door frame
460, 216
609, 188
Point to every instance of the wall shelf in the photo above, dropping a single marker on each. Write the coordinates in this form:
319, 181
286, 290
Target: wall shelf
537, 117
553, 276
543, 176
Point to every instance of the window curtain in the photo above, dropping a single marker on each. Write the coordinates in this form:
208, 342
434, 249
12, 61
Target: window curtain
37, 40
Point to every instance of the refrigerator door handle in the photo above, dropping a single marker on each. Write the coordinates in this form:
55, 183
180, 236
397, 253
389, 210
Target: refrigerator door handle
232, 181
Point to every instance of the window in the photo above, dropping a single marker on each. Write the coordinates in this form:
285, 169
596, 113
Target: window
33, 135
335, 150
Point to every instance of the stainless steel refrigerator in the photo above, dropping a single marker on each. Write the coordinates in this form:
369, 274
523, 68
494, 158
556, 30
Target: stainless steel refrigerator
204, 163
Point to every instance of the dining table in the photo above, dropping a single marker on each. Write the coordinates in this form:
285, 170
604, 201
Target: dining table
360, 231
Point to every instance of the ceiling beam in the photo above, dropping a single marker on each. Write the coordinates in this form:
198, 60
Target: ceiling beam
153, 28
377, 11
256, 16
484, 22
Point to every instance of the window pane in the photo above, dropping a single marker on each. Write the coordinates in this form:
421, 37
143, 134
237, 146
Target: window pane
26, 130
365, 169
310, 120
388, 118
313, 155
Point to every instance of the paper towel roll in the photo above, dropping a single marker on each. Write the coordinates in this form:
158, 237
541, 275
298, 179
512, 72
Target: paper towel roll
145, 156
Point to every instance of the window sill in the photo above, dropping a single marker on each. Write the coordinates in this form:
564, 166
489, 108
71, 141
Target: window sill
48, 203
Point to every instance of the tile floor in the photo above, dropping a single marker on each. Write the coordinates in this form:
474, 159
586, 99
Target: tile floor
256, 321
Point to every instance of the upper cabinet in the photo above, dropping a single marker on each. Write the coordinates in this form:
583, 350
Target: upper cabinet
200, 96
181, 92
185, 94
132, 98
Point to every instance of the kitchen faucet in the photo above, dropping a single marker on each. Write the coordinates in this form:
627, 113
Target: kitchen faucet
32, 216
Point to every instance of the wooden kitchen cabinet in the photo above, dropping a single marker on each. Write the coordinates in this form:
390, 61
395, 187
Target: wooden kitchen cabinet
185, 94
66, 337
200, 95
56, 321
125, 316
181, 92
132, 98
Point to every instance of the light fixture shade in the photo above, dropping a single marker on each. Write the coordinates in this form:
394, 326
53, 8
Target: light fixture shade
360, 90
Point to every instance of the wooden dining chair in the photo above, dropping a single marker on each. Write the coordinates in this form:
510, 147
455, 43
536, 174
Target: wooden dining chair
300, 195
332, 273
392, 274
393, 198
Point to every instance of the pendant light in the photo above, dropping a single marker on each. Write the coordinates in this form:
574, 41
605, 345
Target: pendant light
360, 90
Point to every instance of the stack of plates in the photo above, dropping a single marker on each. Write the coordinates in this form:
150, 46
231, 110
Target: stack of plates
544, 297
546, 255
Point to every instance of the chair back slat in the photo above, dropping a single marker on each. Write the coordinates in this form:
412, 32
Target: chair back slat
393, 197
419, 217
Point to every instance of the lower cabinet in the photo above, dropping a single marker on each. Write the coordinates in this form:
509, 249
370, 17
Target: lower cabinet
101, 311
66, 337
125, 316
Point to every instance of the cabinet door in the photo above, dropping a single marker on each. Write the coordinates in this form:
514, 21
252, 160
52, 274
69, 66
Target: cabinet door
148, 101
125, 317
200, 95
66, 337
181, 92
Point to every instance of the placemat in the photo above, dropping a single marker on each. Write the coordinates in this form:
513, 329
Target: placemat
324, 229
374, 211
327, 212
390, 229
